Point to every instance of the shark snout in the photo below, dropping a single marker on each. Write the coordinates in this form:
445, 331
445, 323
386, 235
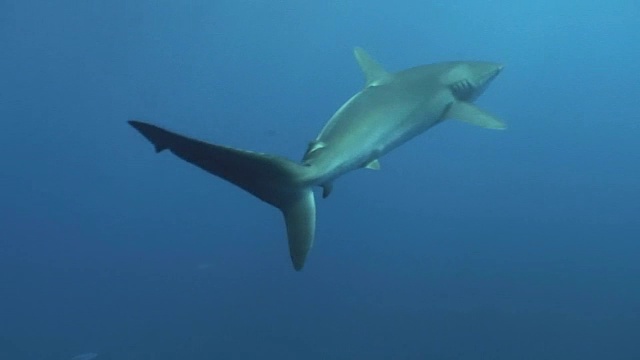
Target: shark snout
490, 71
493, 69
474, 78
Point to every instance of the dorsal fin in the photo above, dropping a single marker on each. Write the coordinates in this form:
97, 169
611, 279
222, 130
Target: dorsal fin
373, 71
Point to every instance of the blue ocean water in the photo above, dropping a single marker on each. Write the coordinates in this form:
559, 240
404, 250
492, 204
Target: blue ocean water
468, 244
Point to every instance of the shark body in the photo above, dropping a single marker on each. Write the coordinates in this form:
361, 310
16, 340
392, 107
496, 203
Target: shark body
390, 110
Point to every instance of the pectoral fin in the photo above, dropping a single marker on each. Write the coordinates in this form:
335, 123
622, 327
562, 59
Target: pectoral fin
473, 115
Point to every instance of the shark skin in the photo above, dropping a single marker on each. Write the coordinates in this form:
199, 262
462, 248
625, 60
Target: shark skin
392, 109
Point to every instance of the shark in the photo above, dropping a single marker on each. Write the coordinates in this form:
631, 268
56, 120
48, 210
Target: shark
391, 109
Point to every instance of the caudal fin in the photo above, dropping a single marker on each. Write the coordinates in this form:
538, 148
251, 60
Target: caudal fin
270, 178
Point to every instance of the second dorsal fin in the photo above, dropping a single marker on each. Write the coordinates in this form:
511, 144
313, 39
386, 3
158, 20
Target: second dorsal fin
373, 165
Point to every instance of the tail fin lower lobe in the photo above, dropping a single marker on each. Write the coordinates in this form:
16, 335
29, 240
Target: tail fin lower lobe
270, 178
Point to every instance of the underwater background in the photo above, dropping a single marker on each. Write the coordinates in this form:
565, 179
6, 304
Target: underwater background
467, 244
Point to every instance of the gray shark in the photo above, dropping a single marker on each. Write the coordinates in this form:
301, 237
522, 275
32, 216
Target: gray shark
391, 109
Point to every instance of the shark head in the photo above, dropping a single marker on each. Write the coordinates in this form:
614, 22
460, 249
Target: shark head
468, 80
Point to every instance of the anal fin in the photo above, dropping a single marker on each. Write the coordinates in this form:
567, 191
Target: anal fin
326, 190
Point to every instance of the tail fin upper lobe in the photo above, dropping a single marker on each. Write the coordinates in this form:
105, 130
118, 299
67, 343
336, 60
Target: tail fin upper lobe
273, 179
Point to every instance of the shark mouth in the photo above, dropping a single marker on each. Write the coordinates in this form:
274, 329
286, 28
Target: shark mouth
463, 89
469, 90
